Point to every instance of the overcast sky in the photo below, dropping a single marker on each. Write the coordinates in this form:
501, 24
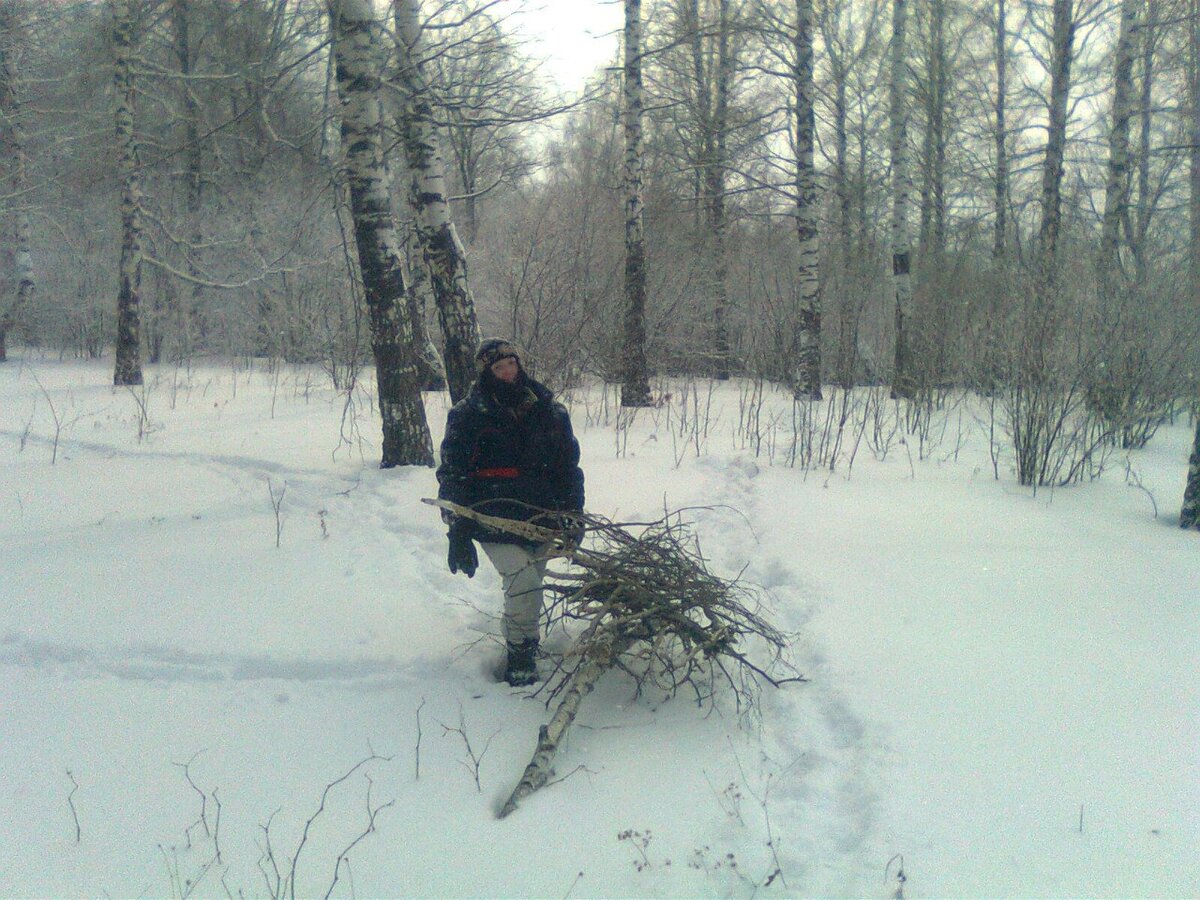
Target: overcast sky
575, 36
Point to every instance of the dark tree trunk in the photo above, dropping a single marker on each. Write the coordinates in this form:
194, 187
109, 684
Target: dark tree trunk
128, 370
1116, 190
1062, 42
15, 145
902, 376
1189, 517
1000, 235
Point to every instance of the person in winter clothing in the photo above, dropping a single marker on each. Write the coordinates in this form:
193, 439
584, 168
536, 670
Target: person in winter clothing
509, 451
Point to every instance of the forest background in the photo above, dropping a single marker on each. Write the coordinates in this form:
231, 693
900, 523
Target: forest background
1004, 195
879, 209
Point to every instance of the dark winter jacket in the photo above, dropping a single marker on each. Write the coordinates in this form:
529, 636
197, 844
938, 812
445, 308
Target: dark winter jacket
510, 461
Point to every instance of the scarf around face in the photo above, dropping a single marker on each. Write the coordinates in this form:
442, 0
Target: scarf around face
518, 397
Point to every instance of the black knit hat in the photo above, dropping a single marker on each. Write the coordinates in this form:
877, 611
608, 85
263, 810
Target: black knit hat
493, 350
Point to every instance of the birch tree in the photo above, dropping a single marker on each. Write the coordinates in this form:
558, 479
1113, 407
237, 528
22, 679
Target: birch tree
851, 41
488, 93
1043, 392
1116, 188
692, 81
1189, 516
902, 379
359, 65
1061, 56
185, 50
1193, 131
128, 369
444, 253
14, 141
1000, 137
712, 72
715, 175
934, 90
1109, 388
635, 383
806, 375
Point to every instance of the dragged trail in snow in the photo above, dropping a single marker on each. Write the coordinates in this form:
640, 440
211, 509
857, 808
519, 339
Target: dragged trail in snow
820, 778
986, 670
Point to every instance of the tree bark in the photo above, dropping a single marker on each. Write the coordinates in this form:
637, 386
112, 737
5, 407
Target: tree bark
717, 221
635, 380
933, 183
603, 653
806, 372
1146, 201
712, 87
10, 108
444, 252
128, 369
1116, 188
902, 376
1194, 150
1061, 52
430, 370
185, 318
356, 50
1189, 516
1000, 234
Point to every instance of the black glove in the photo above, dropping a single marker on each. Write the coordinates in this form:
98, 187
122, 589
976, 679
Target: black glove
463, 557
572, 532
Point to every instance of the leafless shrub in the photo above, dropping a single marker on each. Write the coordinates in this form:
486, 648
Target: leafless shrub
281, 883
60, 422
71, 804
277, 507
474, 757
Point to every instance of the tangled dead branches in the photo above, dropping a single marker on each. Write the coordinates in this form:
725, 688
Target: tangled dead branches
677, 623
649, 606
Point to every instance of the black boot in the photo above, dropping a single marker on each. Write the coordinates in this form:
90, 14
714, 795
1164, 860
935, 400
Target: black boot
521, 668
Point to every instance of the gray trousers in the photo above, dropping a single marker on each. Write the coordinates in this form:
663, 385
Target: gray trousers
522, 573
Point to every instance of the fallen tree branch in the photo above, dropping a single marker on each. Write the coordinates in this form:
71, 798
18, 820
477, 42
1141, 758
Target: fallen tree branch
650, 608
600, 659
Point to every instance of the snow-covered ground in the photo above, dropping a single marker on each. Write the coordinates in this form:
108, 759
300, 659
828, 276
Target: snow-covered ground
1004, 696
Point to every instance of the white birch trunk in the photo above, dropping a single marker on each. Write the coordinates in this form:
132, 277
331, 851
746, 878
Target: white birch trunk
635, 382
806, 374
444, 252
902, 382
431, 372
602, 652
359, 64
128, 369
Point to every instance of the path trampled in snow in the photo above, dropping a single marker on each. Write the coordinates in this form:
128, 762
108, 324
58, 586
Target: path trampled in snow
988, 670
